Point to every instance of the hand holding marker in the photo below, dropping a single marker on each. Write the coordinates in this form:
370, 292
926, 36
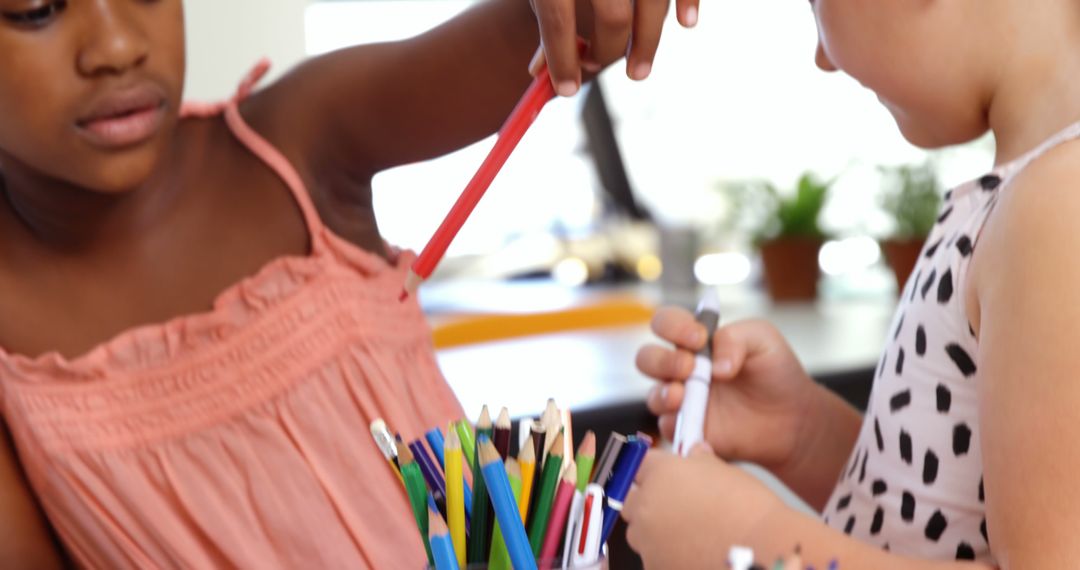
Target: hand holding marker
690, 426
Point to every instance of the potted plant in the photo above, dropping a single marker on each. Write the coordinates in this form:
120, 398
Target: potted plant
786, 230
912, 198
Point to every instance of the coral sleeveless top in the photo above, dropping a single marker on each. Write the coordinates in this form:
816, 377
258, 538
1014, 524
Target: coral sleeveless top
239, 437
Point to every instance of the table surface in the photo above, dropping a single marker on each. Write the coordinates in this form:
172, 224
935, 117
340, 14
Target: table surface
591, 369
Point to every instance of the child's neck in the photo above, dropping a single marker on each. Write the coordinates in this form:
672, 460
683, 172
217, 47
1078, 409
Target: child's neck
1038, 96
64, 216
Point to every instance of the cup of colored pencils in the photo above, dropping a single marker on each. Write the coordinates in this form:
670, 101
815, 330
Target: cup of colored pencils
479, 503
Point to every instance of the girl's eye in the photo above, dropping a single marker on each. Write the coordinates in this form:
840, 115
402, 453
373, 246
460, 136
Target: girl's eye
37, 17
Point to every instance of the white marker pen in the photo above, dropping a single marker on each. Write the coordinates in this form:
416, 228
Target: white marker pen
690, 427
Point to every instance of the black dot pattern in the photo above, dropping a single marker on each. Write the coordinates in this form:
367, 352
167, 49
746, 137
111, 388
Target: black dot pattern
930, 467
936, 526
862, 468
878, 522
944, 398
990, 182
961, 441
930, 251
907, 507
945, 288
962, 359
915, 283
914, 478
929, 283
900, 401
905, 447
964, 246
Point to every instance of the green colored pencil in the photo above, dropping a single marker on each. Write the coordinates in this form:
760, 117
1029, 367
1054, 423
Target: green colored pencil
480, 525
468, 442
548, 483
417, 490
586, 456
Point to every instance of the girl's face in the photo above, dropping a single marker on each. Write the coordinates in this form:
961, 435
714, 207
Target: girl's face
89, 89
918, 56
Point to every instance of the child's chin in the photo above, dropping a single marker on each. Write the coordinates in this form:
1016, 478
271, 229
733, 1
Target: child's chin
119, 177
932, 135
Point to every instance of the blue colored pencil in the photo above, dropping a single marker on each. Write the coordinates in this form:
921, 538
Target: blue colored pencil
626, 468
442, 548
505, 506
436, 441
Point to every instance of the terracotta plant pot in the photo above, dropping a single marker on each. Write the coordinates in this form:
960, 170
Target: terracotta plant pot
902, 255
791, 268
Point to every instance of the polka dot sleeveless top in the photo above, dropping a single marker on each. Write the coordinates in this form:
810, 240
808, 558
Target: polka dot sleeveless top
913, 484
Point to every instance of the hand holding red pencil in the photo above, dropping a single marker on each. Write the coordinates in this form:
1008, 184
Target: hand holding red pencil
538, 94
614, 30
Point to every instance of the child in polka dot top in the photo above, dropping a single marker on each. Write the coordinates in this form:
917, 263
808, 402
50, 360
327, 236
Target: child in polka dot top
967, 455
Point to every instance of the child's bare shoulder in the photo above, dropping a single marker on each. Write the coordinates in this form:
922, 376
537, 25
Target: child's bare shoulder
1033, 224
1045, 195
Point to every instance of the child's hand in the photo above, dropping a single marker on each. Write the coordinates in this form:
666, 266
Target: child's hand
614, 28
761, 400
687, 512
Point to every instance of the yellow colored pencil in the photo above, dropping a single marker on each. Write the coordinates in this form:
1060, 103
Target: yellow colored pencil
527, 462
455, 494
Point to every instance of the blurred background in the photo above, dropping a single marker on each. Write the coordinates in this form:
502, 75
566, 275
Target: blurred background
737, 165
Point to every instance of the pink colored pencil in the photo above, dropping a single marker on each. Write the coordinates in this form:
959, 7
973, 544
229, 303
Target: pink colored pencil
560, 510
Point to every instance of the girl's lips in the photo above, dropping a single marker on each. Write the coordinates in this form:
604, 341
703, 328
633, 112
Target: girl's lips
124, 118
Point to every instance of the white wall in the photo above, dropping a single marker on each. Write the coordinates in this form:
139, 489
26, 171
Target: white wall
227, 37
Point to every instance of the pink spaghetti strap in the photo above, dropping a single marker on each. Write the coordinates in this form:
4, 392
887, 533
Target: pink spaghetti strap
262, 148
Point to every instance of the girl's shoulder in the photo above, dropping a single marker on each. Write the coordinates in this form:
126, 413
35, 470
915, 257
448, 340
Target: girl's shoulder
1031, 231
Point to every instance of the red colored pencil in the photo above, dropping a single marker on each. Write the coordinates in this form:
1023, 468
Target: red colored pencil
524, 114
560, 510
